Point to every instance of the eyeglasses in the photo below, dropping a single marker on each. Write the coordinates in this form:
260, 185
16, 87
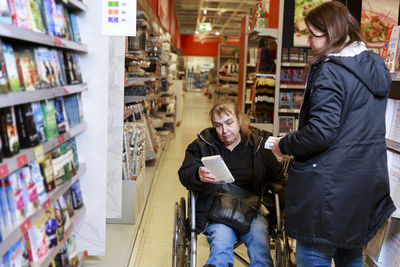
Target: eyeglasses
311, 36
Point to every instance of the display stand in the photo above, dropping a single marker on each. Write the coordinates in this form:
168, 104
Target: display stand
246, 82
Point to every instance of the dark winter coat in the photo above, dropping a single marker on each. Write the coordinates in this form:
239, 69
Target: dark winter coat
338, 188
266, 170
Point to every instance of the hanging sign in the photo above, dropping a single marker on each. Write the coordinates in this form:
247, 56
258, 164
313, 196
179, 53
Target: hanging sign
119, 17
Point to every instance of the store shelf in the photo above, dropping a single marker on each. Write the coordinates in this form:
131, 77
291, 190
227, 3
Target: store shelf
75, 5
294, 64
19, 230
150, 154
266, 75
25, 156
228, 79
17, 98
14, 32
293, 86
267, 32
248, 102
393, 145
289, 110
137, 98
135, 81
268, 127
395, 76
75, 220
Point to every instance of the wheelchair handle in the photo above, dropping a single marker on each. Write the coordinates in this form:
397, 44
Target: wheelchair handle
275, 188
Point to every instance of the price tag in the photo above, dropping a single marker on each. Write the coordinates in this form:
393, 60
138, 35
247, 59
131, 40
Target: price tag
3, 169
66, 91
66, 236
38, 151
86, 88
61, 139
25, 226
57, 41
22, 160
46, 205
85, 255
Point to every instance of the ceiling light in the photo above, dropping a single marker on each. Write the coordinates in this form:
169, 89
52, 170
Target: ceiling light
205, 11
217, 33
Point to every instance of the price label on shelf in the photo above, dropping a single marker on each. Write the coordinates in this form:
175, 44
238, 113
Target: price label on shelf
57, 41
3, 170
61, 139
25, 226
46, 205
22, 160
118, 18
66, 91
38, 151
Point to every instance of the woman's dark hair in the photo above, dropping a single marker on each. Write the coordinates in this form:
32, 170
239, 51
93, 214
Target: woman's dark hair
336, 22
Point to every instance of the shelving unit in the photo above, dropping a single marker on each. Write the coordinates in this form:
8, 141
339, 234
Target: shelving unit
20, 230
293, 86
17, 98
247, 39
9, 165
14, 32
76, 219
12, 164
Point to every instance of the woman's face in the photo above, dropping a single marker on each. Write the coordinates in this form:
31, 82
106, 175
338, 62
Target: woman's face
315, 38
228, 129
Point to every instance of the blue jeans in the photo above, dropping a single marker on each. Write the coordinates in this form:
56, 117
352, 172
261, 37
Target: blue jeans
222, 239
308, 255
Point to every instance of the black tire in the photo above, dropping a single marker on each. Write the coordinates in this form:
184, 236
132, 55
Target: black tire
182, 237
175, 232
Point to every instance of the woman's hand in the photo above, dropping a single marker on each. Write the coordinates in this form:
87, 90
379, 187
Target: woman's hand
205, 175
275, 148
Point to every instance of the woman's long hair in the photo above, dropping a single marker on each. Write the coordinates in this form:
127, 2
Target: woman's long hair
337, 23
228, 106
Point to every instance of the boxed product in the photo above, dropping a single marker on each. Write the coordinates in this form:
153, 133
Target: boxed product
286, 76
391, 48
297, 99
298, 76
49, 115
285, 99
11, 67
286, 124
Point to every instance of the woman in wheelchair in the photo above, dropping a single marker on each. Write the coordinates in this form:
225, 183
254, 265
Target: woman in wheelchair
252, 166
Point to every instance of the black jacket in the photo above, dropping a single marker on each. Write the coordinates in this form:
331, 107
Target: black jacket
338, 187
266, 170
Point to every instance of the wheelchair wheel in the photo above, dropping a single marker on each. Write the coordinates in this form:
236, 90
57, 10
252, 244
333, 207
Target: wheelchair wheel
179, 232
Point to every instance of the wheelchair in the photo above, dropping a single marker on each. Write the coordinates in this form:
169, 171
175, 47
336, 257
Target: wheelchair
184, 248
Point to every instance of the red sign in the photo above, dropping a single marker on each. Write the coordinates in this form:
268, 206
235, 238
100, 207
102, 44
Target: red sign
22, 160
3, 170
61, 139
25, 226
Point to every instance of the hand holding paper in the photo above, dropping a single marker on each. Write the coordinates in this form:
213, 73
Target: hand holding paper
217, 168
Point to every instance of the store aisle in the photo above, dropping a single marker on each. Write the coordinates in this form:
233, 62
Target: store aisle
155, 236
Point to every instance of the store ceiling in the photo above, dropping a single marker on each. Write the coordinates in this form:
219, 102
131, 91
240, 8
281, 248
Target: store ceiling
224, 15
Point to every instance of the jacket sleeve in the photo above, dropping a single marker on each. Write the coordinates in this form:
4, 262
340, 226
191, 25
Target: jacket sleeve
275, 173
188, 172
324, 116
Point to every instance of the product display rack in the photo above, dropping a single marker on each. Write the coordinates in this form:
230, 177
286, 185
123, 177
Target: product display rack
20, 230
17, 98
76, 219
248, 36
27, 35
12, 164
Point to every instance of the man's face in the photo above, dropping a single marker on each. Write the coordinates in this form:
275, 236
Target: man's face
228, 129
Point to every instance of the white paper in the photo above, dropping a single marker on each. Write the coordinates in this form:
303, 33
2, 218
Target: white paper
270, 142
218, 168
119, 17
395, 125
390, 253
390, 108
394, 179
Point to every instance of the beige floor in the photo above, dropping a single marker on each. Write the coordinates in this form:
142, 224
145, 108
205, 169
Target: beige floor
156, 243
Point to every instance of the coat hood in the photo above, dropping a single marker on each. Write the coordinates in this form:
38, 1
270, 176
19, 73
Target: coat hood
368, 67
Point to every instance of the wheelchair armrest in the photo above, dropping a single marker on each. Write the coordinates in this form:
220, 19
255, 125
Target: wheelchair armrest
275, 188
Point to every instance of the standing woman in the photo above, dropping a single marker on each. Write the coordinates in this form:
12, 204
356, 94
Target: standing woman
337, 194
